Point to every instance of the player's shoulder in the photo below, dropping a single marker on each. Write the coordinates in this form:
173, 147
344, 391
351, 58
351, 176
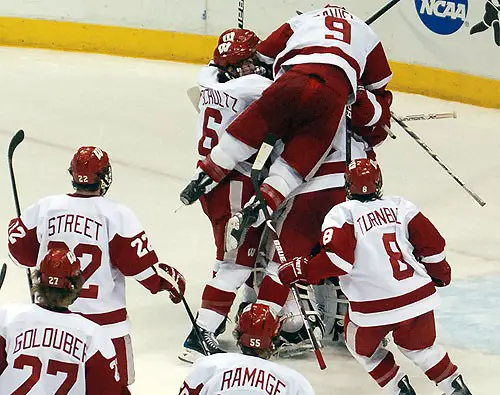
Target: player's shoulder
207, 77
339, 214
220, 361
12, 312
402, 203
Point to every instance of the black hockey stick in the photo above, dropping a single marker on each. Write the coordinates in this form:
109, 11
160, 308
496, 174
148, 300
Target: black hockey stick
14, 142
241, 13
434, 156
260, 161
3, 271
382, 11
195, 326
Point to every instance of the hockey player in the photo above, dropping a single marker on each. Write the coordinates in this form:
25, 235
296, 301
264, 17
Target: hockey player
390, 258
248, 374
46, 349
228, 85
109, 240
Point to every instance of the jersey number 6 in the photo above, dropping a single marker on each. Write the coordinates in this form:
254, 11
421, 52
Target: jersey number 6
210, 138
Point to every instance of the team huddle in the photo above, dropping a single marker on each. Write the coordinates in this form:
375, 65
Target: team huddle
353, 265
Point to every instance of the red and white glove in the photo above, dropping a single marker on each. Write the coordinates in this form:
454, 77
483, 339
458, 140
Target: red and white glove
294, 271
172, 281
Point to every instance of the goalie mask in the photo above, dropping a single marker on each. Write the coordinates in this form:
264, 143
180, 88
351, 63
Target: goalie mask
258, 330
363, 180
91, 170
235, 54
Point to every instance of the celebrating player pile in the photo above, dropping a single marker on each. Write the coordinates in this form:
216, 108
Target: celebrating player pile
46, 349
108, 239
322, 61
390, 258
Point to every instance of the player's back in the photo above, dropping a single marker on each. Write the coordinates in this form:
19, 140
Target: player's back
101, 233
46, 352
221, 102
386, 277
329, 35
233, 373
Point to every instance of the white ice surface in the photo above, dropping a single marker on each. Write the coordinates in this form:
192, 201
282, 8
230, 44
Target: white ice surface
139, 112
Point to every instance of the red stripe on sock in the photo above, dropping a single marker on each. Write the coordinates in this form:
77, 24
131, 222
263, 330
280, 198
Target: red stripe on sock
385, 371
217, 300
442, 370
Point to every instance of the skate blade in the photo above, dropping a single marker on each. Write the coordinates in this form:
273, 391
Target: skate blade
190, 356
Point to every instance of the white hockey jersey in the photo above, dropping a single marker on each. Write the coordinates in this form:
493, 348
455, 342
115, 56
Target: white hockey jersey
46, 352
381, 249
220, 103
330, 35
233, 373
107, 238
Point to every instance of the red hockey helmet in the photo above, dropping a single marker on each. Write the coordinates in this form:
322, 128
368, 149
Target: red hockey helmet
90, 166
363, 177
258, 327
58, 266
234, 47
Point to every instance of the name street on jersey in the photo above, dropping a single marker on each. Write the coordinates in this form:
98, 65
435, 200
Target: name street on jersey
74, 223
258, 378
382, 216
52, 338
214, 97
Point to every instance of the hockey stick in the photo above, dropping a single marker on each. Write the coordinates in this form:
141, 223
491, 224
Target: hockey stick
2, 274
194, 97
195, 326
434, 156
261, 159
14, 142
428, 117
382, 11
241, 13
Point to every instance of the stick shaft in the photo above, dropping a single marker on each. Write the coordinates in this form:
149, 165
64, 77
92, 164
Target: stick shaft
241, 13
428, 117
434, 156
195, 326
382, 11
14, 143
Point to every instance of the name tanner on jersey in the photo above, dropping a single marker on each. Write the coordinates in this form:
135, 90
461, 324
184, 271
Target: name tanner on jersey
52, 338
211, 96
74, 223
258, 378
379, 217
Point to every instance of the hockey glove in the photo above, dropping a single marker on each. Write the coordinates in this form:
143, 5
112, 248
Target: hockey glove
172, 281
294, 271
370, 109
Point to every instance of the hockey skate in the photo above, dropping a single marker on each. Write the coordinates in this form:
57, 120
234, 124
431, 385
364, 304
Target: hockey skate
193, 191
193, 349
238, 224
460, 387
405, 387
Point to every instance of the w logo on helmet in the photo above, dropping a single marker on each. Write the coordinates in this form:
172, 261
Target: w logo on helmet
98, 152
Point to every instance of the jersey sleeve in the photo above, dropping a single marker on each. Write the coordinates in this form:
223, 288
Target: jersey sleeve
429, 248
131, 252
377, 73
23, 241
338, 243
269, 49
101, 369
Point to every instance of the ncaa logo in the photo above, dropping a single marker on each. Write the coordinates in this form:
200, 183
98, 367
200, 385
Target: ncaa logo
442, 16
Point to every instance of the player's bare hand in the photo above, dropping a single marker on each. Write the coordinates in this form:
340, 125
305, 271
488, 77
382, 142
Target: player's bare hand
173, 282
294, 271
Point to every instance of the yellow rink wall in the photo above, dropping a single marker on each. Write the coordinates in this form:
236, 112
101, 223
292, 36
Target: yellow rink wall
192, 48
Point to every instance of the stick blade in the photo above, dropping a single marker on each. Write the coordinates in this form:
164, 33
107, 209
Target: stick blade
15, 141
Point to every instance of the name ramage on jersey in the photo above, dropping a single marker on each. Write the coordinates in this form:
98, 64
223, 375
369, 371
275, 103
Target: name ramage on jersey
258, 378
